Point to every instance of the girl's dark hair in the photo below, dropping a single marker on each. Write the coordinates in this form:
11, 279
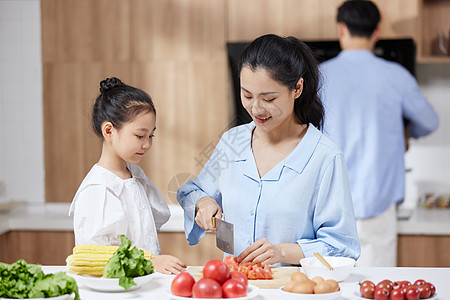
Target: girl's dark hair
287, 59
360, 16
118, 103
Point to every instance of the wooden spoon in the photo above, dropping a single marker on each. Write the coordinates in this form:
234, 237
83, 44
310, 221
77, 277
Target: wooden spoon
323, 261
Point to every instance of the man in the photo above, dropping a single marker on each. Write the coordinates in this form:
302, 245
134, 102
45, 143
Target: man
366, 99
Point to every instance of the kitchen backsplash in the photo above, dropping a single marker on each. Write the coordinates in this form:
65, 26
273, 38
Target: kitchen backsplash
21, 118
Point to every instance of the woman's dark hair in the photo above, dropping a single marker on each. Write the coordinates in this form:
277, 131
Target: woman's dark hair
287, 59
360, 16
118, 103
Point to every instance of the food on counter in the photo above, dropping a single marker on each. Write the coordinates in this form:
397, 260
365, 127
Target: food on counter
430, 200
253, 271
124, 263
22, 280
217, 282
301, 284
397, 290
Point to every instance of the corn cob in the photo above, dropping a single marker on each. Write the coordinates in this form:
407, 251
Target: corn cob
91, 259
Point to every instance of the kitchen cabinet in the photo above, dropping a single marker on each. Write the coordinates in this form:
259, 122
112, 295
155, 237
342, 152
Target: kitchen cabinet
423, 251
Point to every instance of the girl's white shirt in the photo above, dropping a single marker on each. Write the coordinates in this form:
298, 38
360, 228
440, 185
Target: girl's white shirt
106, 206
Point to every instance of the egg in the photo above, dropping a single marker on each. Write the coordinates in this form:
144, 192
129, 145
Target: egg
318, 279
299, 276
289, 285
322, 288
333, 284
302, 287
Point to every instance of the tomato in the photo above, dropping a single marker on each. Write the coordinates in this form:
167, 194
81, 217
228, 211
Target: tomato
216, 270
231, 261
268, 271
412, 292
367, 291
386, 284
239, 276
397, 294
381, 293
424, 291
398, 285
233, 288
182, 285
207, 288
419, 282
432, 288
366, 283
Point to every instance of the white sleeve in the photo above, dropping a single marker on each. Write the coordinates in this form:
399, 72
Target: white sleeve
160, 209
98, 217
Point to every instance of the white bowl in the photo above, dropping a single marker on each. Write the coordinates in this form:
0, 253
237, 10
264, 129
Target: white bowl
342, 267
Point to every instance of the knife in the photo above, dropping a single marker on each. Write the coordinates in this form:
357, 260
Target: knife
224, 235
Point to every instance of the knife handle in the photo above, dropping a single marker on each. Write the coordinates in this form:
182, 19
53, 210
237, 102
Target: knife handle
213, 220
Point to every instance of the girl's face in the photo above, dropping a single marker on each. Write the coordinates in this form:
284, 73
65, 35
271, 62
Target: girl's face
269, 103
135, 137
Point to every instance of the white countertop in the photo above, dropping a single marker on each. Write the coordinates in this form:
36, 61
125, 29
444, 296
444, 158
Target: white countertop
158, 287
54, 216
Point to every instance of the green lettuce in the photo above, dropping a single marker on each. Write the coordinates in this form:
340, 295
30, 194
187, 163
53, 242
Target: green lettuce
127, 263
22, 280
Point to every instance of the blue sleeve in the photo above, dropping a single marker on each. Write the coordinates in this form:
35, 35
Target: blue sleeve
423, 118
205, 185
333, 220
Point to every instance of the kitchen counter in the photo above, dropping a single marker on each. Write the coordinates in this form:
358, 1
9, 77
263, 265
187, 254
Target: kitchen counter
159, 286
53, 216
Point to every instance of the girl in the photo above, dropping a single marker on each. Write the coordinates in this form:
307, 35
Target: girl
116, 197
279, 179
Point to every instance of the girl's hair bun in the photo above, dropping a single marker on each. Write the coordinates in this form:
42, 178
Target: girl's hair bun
109, 83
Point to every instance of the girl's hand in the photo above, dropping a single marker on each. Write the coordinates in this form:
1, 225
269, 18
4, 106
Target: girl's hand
168, 264
206, 208
261, 251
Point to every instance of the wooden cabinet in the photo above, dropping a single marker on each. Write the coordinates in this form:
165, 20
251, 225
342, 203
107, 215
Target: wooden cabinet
423, 251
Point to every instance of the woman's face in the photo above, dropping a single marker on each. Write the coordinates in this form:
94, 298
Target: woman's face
269, 103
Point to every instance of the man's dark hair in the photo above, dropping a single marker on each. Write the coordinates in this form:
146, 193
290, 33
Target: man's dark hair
360, 16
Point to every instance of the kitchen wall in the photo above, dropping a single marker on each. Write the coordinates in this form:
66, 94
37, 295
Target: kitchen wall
21, 126
21, 118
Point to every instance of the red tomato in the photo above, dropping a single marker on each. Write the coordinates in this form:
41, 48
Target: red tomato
216, 270
239, 276
424, 291
231, 261
381, 293
398, 285
366, 283
207, 288
419, 282
233, 288
260, 273
432, 288
385, 283
182, 285
397, 294
268, 272
368, 291
412, 292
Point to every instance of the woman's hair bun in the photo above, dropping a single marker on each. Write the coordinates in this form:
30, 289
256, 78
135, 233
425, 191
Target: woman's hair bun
109, 83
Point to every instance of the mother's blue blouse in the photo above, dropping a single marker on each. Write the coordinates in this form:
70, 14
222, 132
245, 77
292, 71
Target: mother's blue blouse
304, 199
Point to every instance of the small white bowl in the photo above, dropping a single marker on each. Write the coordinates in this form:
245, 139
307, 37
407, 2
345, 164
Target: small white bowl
342, 267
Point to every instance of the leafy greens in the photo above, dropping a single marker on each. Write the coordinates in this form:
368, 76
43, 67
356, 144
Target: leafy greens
22, 280
127, 263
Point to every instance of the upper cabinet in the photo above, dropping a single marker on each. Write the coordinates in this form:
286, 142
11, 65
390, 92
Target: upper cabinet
316, 20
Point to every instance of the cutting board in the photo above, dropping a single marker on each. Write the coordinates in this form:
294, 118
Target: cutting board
281, 275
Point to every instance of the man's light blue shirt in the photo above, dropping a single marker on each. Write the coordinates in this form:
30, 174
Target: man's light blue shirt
304, 199
365, 99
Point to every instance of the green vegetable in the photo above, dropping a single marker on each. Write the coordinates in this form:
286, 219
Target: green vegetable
127, 263
22, 280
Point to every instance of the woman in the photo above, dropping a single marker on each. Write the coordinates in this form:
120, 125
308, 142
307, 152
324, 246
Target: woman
279, 179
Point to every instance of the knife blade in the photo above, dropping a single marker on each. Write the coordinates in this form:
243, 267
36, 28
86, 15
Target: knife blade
224, 235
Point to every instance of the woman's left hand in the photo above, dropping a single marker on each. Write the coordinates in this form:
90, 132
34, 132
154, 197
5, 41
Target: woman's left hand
261, 251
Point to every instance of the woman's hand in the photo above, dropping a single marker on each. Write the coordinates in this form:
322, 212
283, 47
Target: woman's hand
262, 251
206, 208
168, 264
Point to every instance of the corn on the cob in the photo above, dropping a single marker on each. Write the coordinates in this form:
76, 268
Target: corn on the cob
91, 259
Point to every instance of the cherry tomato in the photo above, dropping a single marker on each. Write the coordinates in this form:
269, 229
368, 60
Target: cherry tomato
381, 293
424, 291
419, 282
239, 276
366, 283
397, 294
389, 285
216, 270
182, 285
412, 292
207, 288
432, 288
398, 285
233, 288
231, 261
368, 291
